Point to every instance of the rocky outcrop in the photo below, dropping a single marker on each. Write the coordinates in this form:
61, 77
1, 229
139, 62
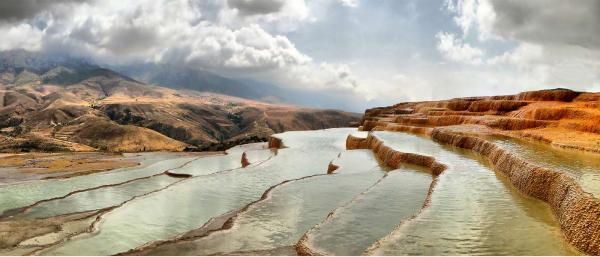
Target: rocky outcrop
559, 117
245, 161
331, 168
275, 143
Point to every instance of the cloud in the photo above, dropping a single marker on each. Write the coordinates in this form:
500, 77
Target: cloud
454, 49
16, 10
549, 21
254, 7
349, 3
22, 36
224, 36
557, 42
535, 21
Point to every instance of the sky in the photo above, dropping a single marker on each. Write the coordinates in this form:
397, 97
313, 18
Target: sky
364, 53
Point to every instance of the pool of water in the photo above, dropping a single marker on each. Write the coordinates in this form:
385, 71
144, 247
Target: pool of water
99, 198
584, 167
359, 160
114, 195
23, 194
191, 203
473, 211
372, 214
290, 211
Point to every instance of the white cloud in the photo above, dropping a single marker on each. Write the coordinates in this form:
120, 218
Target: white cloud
454, 49
231, 37
349, 3
20, 36
556, 44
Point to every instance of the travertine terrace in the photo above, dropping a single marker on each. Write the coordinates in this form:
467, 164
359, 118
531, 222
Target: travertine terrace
559, 118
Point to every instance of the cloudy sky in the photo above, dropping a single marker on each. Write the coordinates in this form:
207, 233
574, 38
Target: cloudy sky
364, 52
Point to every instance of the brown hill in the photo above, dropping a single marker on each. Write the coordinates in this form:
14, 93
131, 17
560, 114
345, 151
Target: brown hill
107, 111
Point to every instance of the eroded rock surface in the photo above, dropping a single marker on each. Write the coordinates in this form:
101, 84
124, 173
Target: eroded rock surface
560, 118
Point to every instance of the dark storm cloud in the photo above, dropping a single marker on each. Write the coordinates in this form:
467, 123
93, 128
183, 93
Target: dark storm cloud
255, 7
126, 39
549, 21
16, 10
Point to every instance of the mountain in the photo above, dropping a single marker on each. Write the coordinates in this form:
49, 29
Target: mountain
178, 77
51, 103
186, 78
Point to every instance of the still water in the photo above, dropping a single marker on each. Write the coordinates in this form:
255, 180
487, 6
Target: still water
584, 167
362, 208
473, 211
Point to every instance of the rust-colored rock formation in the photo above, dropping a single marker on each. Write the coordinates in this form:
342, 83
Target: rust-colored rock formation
331, 168
275, 142
245, 161
560, 117
393, 158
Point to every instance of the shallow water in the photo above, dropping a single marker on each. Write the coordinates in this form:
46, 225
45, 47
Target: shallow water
23, 194
191, 203
286, 216
359, 160
290, 211
373, 214
99, 198
114, 195
258, 156
473, 211
585, 167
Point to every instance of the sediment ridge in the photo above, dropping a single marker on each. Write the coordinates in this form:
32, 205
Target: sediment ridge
392, 159
559, 118
578, 212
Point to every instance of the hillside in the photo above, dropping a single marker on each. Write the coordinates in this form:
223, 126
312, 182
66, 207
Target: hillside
67, 105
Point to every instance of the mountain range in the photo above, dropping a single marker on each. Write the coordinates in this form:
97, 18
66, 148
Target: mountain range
58, 103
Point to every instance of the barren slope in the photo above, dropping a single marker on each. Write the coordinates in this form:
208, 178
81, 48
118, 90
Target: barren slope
65, 109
